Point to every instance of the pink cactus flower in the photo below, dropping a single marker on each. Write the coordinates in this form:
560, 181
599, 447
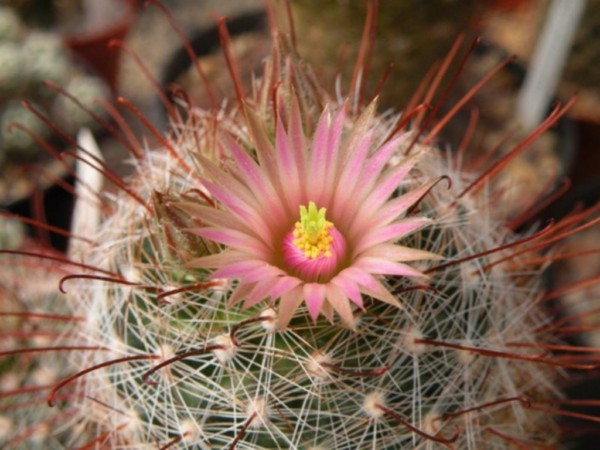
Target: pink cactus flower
315, 222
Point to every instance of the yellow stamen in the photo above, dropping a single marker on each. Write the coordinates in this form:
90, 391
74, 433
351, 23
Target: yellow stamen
311, 232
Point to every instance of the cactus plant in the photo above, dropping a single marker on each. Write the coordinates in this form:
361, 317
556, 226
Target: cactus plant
17, 144
298, 270
10, 25
26, 64
86, 89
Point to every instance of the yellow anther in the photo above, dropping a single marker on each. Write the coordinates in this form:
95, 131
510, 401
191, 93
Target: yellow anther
311, 232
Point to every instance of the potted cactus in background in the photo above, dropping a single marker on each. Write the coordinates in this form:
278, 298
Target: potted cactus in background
46, 96
295, 269
87, 27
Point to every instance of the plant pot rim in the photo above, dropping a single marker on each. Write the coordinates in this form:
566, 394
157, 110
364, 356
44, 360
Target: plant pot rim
116, 28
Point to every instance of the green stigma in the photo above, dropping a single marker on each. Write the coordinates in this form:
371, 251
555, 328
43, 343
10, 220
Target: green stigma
311, 232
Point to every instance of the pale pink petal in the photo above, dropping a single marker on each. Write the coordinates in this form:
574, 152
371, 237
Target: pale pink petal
239, 294
288, 305
262, 143
388, 183
370, 286
388, 233
217, 260
335, 136
380, 266
296, 138
327, 312
258, 293
358, 276
380, 292
248, 212
241, 269
374, 214
398, 253
317, 170
289, 170
343, 200
248, 271
314, 296
340, 303
349, 287
235, 239
383, 154
272, 288
333, 162
226, 187
257, 182
374, 166
224, 219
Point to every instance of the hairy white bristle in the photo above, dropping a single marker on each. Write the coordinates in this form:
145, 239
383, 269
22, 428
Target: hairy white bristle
317, 366
258, 412
227, 350
372, 403
269, 322
6, 426
408, 341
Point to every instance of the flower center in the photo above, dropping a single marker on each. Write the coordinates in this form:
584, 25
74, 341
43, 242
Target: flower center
313, 249
312, 232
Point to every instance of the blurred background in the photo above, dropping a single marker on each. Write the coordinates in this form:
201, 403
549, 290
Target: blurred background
412, 35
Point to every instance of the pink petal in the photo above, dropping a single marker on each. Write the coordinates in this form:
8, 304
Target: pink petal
246, 211
335, 135
327, 311
332, 162
217, 260
257, 181
339, 301
374, 212
238, 295
296, 137
262, 143
235, 239
371, 173
283, 285
370, 286
381, 293
388, 183
248, 271
257, 294
394, 252
241, 269
314, 296
225, 219
288, 305
348, 178
388, 233
289, 169
320, 154
271, 287
222, 185
349, 288
383, 155
380, 266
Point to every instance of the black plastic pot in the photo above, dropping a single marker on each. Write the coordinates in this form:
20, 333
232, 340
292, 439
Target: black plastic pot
510, 78
205, 42
585, 195
57, 209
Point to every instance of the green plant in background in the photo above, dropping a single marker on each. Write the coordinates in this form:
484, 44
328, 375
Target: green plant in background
297, 270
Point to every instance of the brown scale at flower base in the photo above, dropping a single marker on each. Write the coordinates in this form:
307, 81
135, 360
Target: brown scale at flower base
223, 301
